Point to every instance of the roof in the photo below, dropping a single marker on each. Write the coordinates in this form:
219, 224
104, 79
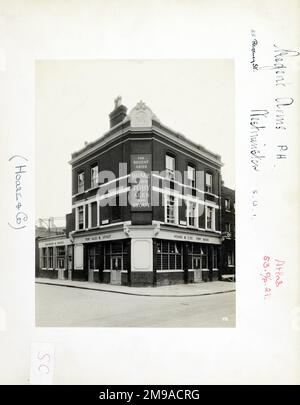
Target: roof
142, 118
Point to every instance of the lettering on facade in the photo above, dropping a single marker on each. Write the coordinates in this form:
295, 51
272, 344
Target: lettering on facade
140, 192
193, 238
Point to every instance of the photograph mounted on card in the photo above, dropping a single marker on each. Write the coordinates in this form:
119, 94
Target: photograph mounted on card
144, 215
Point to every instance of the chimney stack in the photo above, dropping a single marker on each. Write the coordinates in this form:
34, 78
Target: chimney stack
118, 114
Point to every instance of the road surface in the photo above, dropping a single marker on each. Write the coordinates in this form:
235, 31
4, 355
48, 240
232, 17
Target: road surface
74, 307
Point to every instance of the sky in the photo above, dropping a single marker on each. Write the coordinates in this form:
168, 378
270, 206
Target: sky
74, 98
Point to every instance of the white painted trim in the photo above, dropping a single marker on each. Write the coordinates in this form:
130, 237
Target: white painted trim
184, 185
198, 152
169, 271
89, 215
184, 227
219, 164
188, 217
176, 209
113, 224
102, 197
185, 198
184, 143
76, 218
213, 219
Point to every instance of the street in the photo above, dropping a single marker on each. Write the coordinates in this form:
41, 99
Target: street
58, 306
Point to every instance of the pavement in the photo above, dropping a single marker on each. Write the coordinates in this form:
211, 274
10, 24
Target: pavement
177, 290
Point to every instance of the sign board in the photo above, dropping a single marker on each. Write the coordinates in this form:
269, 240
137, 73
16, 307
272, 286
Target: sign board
188, 237
140, 178
57, 242
101, 237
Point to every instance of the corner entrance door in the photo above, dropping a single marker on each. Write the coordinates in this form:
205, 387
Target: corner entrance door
116, 266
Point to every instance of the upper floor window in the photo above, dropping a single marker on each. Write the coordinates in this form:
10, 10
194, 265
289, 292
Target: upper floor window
170, 210
227, 227
191, 213
191, 176
81, 182
81, 217
208, 183
210, 218
94, 176
227, 204
170, 167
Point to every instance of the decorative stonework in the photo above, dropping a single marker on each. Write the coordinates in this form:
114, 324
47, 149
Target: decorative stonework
141, 116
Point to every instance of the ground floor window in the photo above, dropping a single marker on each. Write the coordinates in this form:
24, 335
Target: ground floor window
50, 257
93, 256
169, 255
197, 256
61, 253
44, 258
116, 255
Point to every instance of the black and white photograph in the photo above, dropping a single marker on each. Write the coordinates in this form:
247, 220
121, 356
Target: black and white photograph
137, 212
150, 196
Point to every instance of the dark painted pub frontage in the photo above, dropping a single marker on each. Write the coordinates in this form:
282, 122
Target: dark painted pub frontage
172, 229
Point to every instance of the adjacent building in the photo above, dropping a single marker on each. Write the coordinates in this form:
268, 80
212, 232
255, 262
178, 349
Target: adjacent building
146, 208
228, 232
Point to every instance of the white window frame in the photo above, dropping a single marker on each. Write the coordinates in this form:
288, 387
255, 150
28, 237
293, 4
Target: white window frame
188, 204
59, 257
213, 220
48, 257
94, 176
170, 171
166, 196
227, 208
44, 256
229, 226
77, 217
80, 187
208, 187
191, 179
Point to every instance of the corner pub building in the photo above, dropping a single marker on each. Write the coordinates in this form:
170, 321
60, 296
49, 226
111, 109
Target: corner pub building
169, 233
